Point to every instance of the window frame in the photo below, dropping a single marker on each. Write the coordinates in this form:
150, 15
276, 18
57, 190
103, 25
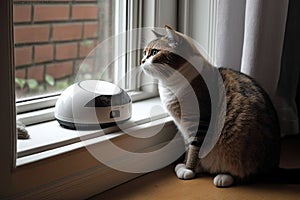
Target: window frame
65, 177
38, 109
15, 180
204, 28
7, 116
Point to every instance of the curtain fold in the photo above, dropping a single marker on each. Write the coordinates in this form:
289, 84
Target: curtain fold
230, 33
288, 91
263, 41
250, 38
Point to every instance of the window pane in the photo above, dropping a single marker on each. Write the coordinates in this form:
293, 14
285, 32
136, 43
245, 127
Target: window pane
52, 38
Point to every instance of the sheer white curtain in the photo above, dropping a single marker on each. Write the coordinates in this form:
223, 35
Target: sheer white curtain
250, 38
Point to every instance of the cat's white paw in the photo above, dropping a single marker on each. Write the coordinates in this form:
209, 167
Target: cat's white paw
183, 173
223, 180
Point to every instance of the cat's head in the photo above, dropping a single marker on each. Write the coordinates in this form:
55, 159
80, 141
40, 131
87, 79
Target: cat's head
167, 54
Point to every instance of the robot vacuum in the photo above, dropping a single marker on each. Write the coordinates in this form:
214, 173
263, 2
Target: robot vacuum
92, 104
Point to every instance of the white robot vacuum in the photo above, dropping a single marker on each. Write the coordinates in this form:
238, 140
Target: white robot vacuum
92, 104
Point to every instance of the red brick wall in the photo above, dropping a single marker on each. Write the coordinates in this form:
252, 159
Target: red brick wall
51, 36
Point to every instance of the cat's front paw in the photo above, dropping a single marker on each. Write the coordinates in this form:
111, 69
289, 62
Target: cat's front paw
223, 180
183, 173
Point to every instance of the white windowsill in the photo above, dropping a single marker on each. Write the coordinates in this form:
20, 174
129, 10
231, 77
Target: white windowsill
50, 139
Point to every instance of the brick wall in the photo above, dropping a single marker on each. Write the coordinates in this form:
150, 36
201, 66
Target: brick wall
52, 37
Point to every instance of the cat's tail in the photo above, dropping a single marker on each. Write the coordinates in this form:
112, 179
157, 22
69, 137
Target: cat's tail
282, 176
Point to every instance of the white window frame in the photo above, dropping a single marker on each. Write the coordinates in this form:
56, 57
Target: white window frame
75, 173
198, 19
63, 178
140, 13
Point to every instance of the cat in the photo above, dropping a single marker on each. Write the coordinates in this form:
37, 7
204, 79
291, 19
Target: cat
249, 141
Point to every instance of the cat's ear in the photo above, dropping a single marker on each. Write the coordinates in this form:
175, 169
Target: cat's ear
157, 34
172, 36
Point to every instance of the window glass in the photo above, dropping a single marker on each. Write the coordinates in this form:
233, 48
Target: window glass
51, 40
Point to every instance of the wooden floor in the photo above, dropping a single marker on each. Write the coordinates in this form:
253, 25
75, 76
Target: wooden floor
163, 184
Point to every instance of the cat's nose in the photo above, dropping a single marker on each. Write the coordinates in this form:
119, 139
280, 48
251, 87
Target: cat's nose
143, 61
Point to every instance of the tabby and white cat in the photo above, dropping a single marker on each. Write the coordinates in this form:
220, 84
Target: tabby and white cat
249, 142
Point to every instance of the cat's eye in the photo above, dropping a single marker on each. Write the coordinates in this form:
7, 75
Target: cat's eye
154, 52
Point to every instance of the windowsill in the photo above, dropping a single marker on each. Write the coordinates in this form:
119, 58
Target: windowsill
56, 164
50, 139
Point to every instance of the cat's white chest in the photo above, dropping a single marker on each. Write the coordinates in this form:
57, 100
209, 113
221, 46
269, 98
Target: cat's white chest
166, 96
188, 105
